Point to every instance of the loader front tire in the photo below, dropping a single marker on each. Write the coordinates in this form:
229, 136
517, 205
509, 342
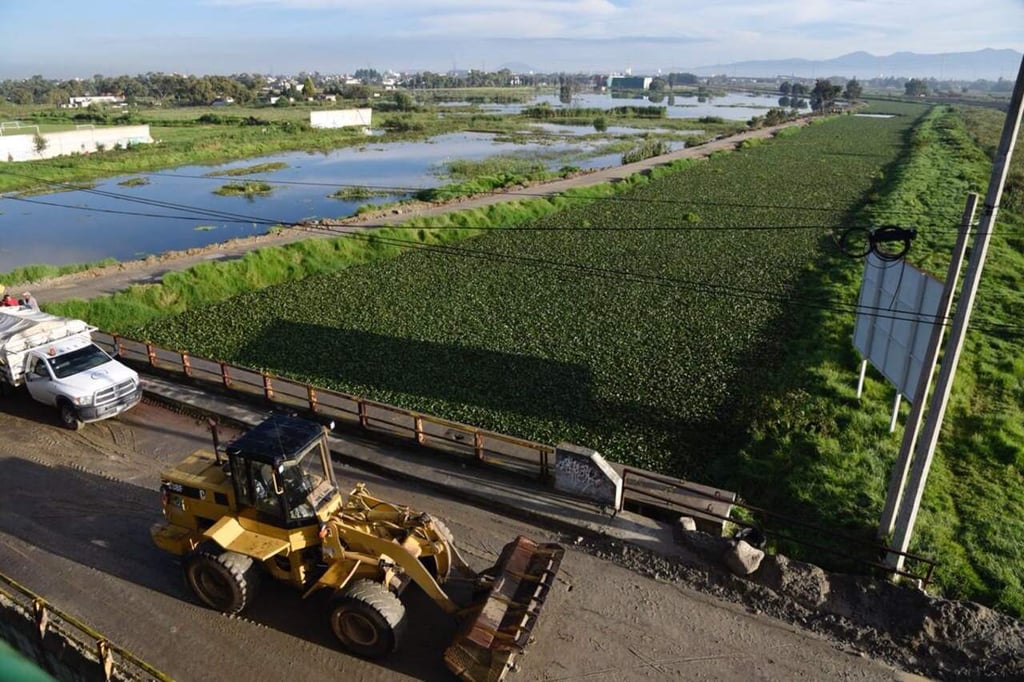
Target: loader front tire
368, 619
225, 581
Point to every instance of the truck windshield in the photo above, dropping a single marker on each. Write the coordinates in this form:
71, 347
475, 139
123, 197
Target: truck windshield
78, 361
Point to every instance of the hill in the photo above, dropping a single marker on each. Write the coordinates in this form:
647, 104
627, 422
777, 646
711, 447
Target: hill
988, 64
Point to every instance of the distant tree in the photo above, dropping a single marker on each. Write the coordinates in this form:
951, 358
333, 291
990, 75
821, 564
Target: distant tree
784, 101
356, 92
798, 89
853, 89
675, 79
658, 85
283, 101
367, 75
824, 95
786, 88
915, 87
403, 101
308, 89
600, 124
39, 143
565, 90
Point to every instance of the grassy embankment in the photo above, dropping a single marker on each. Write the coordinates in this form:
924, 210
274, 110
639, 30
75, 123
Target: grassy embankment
830, 453
804, 445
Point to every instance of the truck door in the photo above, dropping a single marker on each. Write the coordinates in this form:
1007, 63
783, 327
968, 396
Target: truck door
39, 380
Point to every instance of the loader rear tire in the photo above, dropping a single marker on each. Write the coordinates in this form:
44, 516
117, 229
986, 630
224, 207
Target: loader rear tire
225, 581
368, 619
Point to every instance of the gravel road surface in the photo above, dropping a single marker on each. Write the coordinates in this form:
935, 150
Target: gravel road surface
74, 527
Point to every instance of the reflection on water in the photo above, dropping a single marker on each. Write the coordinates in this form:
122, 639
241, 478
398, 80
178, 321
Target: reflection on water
177, 209
734, 106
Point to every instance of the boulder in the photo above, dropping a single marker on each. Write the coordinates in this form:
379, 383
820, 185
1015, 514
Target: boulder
742, 559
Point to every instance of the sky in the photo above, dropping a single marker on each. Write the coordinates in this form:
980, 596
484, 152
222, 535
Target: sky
62, 39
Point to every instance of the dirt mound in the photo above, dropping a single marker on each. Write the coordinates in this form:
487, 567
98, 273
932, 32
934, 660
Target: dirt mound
905, 627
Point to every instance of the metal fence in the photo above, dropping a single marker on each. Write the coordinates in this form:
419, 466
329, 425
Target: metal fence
36, 622
496, 449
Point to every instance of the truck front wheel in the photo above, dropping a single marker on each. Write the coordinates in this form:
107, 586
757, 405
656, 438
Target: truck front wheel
69, 417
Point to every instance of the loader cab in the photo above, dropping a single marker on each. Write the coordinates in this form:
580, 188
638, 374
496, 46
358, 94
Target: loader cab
282, 470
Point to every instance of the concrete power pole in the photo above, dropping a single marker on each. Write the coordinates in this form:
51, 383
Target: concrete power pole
925, 450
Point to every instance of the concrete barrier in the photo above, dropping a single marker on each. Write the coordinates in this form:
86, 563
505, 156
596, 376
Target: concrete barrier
584, 472
341, 118
22, 147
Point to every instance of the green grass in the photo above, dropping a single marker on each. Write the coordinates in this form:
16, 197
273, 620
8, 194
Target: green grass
249, 188
645, 373
362, 193
134, 182
37, 273
249, 170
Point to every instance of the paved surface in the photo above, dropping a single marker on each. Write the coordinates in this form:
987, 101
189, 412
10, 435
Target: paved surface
74, 522
108, 280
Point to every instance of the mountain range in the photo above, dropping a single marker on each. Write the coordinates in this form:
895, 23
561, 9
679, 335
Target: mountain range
988, 64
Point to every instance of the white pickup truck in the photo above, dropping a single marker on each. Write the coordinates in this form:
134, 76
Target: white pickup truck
55, 358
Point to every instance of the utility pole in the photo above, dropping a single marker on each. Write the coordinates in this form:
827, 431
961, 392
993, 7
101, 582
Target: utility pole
925, 450
898, 479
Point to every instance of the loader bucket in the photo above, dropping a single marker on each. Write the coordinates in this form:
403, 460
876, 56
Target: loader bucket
498, 626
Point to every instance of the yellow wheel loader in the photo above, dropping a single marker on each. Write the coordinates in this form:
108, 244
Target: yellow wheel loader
270, 505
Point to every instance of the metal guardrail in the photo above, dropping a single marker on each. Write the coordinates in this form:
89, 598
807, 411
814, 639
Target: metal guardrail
709, 499
108, 660
484, 446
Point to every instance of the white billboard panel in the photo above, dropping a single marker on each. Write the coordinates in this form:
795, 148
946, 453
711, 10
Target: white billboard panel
896, 313
341, 118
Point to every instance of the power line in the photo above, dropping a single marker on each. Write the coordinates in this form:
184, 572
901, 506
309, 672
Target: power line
227, 216
661, 280
699, 287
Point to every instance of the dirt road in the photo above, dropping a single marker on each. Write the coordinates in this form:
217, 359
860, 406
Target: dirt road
108, 280
74, 522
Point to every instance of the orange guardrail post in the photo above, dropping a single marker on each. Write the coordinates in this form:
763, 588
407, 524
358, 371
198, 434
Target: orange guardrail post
186, 364
268, 389
311, 396
151, 354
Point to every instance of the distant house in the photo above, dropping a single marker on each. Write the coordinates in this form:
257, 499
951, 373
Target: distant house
82, 102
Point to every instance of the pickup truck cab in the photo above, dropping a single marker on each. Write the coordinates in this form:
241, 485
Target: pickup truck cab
56, 360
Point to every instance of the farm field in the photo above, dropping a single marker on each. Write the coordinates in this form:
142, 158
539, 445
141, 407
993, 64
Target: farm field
629, 325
